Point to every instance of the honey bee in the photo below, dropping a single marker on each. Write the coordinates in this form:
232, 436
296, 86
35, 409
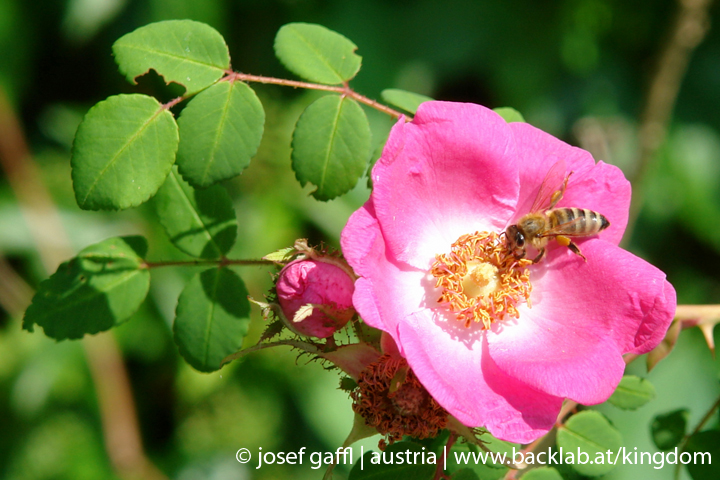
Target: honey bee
544, 222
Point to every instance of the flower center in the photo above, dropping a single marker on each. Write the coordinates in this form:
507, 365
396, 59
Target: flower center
481, 280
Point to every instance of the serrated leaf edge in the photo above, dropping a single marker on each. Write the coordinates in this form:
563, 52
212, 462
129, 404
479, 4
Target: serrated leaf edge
93, 295
124, 147
577, 435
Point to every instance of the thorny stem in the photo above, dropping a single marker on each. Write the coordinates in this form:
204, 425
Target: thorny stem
300, 345
345, 90
686, 438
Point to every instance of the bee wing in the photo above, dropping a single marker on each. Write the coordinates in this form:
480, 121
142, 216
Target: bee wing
563, 228
552, 183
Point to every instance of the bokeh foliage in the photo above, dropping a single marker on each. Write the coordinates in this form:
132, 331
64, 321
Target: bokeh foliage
576, 68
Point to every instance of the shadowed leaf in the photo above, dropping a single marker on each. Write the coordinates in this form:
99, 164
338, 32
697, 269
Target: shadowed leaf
96, 290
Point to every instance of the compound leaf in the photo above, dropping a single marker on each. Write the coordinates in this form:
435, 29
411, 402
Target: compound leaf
331, 146
213, 315
96, 290
316, 53
190, 53
201, 222
220, 131
123, 150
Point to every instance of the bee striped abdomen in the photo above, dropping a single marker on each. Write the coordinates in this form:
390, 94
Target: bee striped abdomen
577, 221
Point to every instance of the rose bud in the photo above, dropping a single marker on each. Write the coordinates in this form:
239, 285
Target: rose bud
315, 297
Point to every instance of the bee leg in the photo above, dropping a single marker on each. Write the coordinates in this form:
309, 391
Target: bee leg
563, 240
557, 196
539, 256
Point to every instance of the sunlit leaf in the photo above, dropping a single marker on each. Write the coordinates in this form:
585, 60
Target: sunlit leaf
213, 315
331, 146
509, 114
632, 392
220, 131
123, 150
668, 430
590, 433
374, 468
200, 222
486, 465
317, 54
408, 101
192, 54
542, 473
99, 288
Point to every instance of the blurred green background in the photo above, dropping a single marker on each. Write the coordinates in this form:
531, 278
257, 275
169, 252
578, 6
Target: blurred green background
579, 69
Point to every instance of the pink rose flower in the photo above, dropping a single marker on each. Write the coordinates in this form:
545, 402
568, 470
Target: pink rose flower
315, 297
458, 174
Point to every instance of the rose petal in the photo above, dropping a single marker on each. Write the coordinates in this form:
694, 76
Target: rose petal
465, 381
463, 378
358, 237
599, 187
584, 316
421, 212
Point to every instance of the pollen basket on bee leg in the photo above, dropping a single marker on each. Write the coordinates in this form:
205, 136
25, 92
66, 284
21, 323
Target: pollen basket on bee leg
481, 280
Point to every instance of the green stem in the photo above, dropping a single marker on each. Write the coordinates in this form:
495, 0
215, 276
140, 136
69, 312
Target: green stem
220, 262
343, 90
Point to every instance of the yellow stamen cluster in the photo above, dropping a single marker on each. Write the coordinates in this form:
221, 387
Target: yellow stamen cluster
481, 280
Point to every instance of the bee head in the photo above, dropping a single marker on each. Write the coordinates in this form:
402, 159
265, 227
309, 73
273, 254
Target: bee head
515, 241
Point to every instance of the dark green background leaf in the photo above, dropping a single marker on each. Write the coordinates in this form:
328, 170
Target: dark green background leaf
316, 53
703, 467
590, 432
200, 222
396, 471
192, 54
668, 430
220, 131
99, 288
632, 392
408, 101
331, 146
213, 315
123, 150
